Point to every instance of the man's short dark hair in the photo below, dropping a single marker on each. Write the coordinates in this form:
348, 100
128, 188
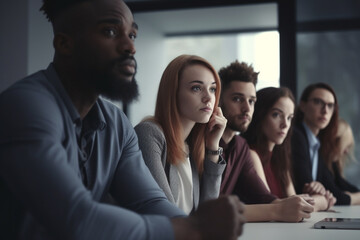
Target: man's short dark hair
52, 8
237, 72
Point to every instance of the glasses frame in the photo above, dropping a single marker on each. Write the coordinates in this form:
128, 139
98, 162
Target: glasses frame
321, 103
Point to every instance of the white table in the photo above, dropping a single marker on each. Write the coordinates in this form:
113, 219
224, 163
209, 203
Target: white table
304, 230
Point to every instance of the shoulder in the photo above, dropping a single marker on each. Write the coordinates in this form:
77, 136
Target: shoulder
254, 154
238, 140
240, 144
115, 118
31, 103
31, 90
238, 151
149, 128
298, 135
298, 130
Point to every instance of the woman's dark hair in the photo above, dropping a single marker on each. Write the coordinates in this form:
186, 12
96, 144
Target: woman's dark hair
327, 136
281, 155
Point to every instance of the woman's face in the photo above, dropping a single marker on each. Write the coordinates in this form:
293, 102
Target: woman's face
196, 94
318, 109
278, 121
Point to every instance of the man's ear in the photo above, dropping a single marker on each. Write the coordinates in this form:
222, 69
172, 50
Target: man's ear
63, 44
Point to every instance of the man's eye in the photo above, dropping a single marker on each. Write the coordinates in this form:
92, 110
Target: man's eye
236, 99
251, 102
110, 32
132, 36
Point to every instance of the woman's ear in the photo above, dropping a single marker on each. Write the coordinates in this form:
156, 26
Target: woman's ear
63, 44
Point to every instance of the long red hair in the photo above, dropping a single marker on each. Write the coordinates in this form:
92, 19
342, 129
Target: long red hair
167, 112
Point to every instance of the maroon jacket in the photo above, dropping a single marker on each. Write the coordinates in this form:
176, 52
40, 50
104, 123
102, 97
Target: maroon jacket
240, 177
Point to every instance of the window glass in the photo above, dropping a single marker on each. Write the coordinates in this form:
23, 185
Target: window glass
259, 49
313, 10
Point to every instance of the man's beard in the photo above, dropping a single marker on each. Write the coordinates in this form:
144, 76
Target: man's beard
116, 88
231, 121
237, 127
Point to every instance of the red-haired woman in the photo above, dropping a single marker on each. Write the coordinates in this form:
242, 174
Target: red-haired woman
180, 144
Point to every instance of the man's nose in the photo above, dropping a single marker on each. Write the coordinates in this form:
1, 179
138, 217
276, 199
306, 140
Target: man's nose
245, 106
127, 46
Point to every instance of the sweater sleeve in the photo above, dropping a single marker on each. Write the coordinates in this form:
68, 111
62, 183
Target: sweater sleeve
153, 146
211, 179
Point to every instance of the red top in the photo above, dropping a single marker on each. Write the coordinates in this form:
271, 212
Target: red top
272, 180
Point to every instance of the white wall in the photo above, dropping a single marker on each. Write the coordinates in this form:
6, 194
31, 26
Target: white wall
13, 41
40, 34
151, 64
25, 40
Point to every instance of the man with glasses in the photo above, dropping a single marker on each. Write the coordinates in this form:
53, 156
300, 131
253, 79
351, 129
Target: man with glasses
314, 130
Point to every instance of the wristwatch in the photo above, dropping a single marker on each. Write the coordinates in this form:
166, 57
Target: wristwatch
217, 152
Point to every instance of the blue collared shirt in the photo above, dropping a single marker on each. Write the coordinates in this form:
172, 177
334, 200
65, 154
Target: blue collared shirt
58, 169
314, 145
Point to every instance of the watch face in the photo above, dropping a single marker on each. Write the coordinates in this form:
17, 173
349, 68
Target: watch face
220, 150
217, 152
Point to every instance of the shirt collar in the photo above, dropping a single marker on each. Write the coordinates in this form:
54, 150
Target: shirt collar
313, 140
53, 77
97, 117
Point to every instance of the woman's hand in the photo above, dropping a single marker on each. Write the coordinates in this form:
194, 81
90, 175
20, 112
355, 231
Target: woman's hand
314, 187
215, 130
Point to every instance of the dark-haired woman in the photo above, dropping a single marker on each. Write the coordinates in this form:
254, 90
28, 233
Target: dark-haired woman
269, 137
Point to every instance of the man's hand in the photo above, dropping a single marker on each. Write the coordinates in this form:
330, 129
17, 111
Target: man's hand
221, 218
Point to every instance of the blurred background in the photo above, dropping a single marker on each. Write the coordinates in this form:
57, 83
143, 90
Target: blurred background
290, 42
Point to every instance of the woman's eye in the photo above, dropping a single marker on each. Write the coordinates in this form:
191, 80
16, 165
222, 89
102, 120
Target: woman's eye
275, 114
196, 88
213, 90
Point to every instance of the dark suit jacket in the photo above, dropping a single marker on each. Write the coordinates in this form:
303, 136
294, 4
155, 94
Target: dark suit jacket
302, 167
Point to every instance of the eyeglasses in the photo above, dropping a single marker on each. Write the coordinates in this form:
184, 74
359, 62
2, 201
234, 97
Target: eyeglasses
320, 103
